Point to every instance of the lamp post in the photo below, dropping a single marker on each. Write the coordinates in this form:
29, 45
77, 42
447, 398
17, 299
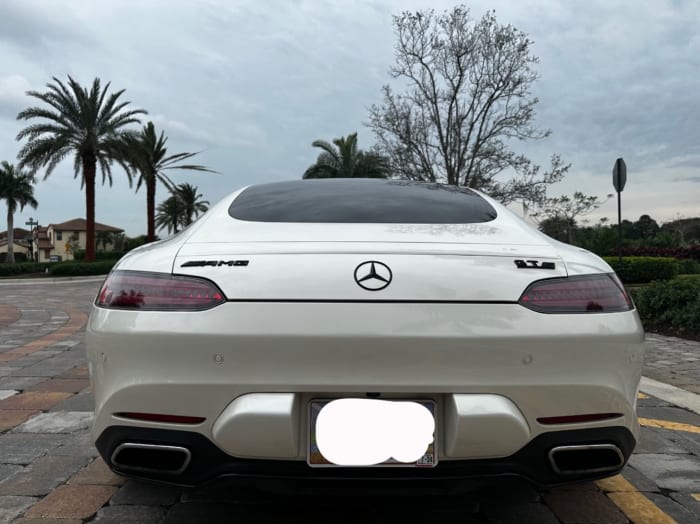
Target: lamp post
29, 239
32, 224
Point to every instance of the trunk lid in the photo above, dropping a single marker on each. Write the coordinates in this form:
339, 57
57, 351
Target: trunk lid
330, 271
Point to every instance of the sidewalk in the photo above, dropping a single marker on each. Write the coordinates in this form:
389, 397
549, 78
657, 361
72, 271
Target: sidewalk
50, 472
672, 360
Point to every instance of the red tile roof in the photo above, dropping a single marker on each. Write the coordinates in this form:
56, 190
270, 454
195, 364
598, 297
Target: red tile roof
19, 233
80, 224
17, 242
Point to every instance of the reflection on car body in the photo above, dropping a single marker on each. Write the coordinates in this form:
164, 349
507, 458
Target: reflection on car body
288, 294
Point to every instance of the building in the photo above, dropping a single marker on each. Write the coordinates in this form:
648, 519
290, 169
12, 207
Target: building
21, 244
57, 242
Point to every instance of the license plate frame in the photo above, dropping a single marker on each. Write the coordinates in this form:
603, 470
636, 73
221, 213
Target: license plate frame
315, 459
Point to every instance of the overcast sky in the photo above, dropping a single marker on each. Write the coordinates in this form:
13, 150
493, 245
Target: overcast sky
252, 83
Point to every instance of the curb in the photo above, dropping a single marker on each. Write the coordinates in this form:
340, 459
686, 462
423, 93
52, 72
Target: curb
50, 280
673, 395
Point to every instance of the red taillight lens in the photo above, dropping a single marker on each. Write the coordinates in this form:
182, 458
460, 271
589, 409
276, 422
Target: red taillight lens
158, 291
601, 293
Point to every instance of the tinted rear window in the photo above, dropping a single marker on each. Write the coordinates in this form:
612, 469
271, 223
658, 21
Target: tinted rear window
361, 201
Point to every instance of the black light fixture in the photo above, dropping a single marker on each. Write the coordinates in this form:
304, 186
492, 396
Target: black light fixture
32, 224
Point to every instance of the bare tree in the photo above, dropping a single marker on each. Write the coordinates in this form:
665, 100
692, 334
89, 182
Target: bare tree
467, 98
560, 213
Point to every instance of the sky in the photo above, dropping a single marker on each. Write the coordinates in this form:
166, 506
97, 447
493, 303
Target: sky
250, 84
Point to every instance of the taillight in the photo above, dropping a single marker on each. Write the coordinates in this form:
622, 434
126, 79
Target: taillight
600, 293
158, 291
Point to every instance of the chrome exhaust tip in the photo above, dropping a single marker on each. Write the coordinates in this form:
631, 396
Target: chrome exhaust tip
151, 458
586, 459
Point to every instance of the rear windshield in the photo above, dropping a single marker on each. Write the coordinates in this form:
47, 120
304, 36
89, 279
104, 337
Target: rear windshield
361, 201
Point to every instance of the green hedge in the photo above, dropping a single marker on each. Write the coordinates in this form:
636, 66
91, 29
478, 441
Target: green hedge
59, 269
688, 267
639, 270
671, 307
100, 255
82, 268
22, 268
19, 257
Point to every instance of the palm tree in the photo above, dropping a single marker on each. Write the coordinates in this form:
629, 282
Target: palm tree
17, 189
169, 214
149, 157
104, 238
347, 161
192, 203
85, 122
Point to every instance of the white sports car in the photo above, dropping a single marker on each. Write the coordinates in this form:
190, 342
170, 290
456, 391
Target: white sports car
363, 329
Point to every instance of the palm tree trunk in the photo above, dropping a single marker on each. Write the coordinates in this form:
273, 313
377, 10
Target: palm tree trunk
151, 208
89, 169
10, 235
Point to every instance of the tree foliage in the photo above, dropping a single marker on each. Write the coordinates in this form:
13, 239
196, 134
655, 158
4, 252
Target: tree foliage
192, 202
345, 160
180, 208
17, 190
467, 98
88, 123
169, 214
104, 238
148, 156
559, 214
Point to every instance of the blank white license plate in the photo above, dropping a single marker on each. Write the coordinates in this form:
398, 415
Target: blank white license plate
316, 459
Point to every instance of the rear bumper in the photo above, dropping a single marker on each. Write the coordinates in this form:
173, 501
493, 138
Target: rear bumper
196, 364
208, 462
201, 364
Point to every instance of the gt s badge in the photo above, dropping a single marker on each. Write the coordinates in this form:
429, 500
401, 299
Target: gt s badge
533, 264
214, 263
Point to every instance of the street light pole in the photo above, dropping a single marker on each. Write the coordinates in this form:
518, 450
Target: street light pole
32, 224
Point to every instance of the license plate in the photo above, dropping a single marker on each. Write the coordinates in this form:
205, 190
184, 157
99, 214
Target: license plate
316, 459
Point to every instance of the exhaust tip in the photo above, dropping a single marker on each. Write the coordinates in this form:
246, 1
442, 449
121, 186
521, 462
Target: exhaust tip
151, 458
586, 459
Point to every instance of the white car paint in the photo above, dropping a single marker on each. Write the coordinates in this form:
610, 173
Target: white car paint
297, 324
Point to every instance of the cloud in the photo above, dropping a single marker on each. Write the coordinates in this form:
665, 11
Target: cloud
12, 95
694, 179
41, 27
251, 84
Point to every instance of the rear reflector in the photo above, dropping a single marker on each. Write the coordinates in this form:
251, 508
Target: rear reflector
575, 419
158, 291
158, 417
601, 293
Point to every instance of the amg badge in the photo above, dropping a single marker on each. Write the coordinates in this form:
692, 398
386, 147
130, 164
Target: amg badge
214, 263
533, 264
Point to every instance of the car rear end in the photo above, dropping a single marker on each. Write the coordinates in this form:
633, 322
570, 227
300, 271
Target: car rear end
213, 353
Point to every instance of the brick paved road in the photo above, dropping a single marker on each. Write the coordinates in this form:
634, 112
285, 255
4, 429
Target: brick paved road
49, 469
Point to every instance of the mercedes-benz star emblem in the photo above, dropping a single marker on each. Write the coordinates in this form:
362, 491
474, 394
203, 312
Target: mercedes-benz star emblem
373, 275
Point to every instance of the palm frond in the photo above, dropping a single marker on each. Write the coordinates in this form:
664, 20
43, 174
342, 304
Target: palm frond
327, 148
344, 159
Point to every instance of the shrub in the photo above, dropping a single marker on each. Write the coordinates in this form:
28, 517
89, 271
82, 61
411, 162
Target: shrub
692, 252
19, 257
688, 267
109, 255
22, 268
99, 255
670, 307
82, 268
638, 270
